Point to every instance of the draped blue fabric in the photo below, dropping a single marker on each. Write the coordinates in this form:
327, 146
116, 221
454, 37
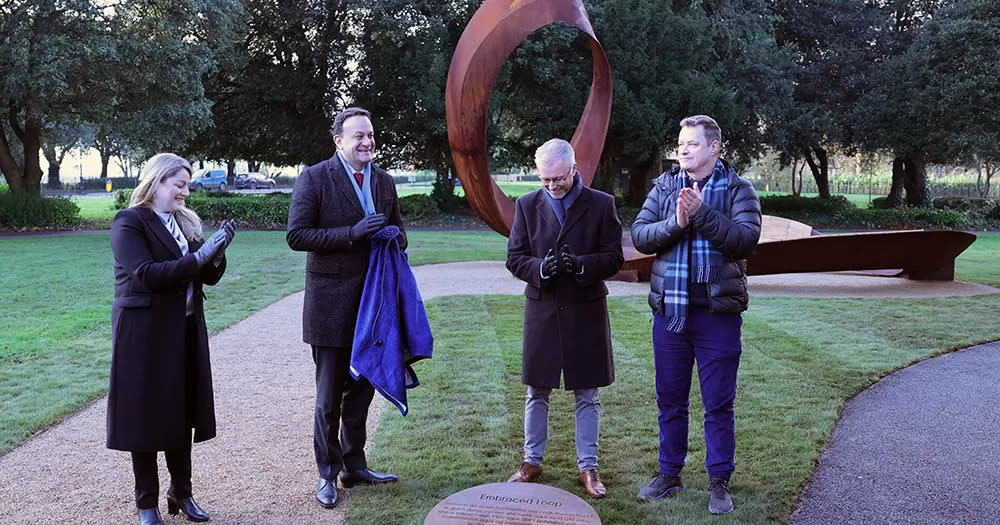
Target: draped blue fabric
392, 331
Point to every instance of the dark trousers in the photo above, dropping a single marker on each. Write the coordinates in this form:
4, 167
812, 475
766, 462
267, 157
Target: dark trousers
339, 432
713, 341
147, 482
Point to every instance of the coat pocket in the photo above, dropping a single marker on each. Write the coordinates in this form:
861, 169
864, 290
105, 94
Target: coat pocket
133, 301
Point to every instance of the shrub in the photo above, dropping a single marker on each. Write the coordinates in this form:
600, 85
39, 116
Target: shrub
775, 204
904, 218
885, 203
963, 204
21, 210
122, 199
418, 207
268, 210
4, 188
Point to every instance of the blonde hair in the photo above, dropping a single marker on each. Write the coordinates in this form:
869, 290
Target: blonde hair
160, 168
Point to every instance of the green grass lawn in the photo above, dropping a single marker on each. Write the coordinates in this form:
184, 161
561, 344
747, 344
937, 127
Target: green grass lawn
55, 346
95, 208
803, 359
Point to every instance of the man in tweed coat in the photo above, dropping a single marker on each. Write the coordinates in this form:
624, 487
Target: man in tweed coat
336, 205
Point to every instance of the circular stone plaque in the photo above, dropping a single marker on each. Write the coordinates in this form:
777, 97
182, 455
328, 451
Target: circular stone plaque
512, 504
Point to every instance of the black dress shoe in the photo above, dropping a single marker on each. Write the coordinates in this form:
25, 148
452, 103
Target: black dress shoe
365, 476
326, 493
150, 517
187, 506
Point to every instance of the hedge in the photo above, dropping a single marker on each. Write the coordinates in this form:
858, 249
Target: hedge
418, 207
21, 210
775, 204
268, 211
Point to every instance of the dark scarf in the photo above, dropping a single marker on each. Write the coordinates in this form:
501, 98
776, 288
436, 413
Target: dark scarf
561, 206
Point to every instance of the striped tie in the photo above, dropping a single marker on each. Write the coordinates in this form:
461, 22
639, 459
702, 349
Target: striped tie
175, 232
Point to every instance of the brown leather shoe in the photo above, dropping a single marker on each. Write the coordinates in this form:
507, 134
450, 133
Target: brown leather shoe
525, 473
591, 482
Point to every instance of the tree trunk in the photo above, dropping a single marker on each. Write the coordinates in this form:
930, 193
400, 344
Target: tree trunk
983, 185
29, 179
105, 160
230, 171
915, 181
895, 197
55, 163
253, 167
820, 168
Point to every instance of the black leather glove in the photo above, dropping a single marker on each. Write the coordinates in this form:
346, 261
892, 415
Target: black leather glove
367, 226
570, 261
550, 264
229, 227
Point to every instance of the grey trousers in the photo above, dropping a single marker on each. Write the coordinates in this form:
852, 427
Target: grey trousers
536, 426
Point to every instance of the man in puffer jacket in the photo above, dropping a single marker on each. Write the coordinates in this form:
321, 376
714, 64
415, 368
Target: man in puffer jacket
701, 220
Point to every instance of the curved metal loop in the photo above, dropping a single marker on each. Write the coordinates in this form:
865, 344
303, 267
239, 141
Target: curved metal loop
492, 34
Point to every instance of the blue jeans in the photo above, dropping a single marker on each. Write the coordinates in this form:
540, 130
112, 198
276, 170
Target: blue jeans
536, 426
713, 341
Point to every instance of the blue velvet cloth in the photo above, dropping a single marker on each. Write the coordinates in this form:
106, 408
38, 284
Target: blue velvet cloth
392, 331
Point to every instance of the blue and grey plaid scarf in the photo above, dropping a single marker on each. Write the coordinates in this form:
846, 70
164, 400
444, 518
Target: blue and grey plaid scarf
705, 260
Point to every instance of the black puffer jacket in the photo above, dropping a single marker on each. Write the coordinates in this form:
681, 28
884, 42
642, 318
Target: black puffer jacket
734, 232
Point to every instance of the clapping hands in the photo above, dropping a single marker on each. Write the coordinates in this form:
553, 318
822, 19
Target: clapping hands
688, 204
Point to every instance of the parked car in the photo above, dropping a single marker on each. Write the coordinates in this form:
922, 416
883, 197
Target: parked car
210, 179
253, 181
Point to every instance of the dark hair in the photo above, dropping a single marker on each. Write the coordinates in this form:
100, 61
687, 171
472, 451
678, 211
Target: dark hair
338, 121
712, 130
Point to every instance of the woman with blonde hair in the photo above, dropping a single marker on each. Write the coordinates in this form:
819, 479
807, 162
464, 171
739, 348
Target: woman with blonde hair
161, 378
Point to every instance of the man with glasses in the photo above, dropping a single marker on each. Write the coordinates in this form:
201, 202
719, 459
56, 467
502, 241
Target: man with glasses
565, 241
701, 220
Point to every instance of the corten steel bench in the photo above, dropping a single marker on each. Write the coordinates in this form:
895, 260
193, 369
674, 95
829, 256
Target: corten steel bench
788, 246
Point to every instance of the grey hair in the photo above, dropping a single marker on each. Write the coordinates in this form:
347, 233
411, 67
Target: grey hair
712, 130
555, 151
338, 121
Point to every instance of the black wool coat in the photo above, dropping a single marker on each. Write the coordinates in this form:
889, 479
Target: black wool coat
323, 209
566, 328
146, 409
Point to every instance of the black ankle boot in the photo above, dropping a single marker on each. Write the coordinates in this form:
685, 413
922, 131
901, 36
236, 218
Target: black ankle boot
150, 517
187, 506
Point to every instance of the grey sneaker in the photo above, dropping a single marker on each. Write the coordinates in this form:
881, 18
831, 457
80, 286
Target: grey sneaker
720, 500
661, 486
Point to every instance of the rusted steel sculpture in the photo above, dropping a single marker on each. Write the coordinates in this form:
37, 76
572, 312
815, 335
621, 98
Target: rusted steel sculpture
496, 29
788, 246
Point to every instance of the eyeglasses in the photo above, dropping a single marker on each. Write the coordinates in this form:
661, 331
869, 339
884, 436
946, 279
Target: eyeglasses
556, 180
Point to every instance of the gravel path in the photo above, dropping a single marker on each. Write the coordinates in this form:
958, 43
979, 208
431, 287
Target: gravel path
260, 470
